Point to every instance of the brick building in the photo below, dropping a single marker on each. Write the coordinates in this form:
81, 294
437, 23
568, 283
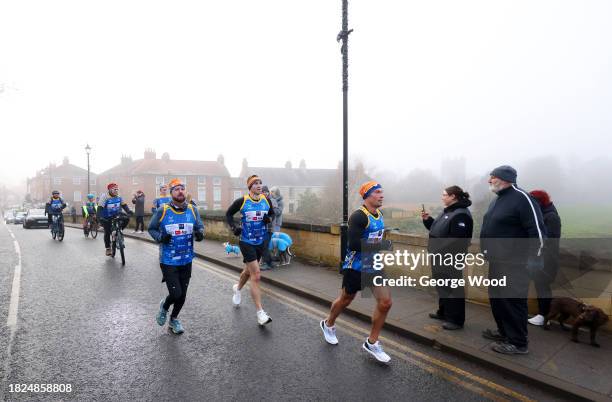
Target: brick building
70, 180
208, 182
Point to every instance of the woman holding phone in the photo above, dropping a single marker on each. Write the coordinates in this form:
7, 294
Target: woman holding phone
450, 232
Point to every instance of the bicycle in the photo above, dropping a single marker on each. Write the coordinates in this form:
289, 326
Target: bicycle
57, 227
91, 227
117, 239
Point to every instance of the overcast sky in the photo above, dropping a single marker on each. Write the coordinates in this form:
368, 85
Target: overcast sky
494, 81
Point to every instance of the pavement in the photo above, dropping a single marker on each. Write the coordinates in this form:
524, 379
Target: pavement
575, 369
84, 319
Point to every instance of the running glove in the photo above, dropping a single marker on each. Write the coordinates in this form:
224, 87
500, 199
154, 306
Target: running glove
236, 231
199, 236
165, 238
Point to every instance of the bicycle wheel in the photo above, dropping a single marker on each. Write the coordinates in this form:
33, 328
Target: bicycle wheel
60, 232
53, 233
121, 246
93, 230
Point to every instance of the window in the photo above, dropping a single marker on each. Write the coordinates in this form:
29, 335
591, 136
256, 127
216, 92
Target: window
134, 179
57, 180
76, 180
237, 194
217, 181
291, 192
159, 180
217, 194
291, 208
201, 194
204, 207
77, 196
216, 207
201, 180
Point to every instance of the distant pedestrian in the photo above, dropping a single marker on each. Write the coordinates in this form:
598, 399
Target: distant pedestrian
267, 256
73, 213
512, 231
450, 233
138, 200
278, 205
544, 269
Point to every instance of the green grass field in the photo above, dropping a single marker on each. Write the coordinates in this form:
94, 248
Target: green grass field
586, 221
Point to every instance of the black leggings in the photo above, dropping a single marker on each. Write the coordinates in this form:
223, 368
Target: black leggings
177, 280
139, 223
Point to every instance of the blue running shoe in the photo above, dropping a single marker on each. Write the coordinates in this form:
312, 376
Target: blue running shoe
162, 314
176, 326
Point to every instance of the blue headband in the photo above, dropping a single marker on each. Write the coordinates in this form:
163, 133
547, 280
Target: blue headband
371, 190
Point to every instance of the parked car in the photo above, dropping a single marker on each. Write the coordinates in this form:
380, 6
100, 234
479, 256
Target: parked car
9, 217
35, 218
19, 218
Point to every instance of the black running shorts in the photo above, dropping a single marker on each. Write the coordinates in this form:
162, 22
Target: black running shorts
251, 252
355, 281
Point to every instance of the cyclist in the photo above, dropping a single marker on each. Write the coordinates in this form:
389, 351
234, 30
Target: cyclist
174, 226
90, 208
163, 198
54, 206
109, 207
256, 214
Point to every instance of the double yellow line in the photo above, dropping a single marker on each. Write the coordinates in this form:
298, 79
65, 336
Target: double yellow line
465, 379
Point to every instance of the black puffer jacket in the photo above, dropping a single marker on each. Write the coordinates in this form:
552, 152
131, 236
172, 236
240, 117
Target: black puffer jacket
457, 235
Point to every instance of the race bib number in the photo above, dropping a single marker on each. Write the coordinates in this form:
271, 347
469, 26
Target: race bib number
255, 216
179, 229
375, 236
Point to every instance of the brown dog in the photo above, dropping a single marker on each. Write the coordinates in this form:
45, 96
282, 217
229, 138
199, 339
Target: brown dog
583, 315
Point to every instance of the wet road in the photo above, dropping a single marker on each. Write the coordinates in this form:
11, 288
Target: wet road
85, 320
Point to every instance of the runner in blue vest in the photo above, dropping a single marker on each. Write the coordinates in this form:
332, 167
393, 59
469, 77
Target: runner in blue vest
256, 213
174, 226
162, 199
109, 207
365, 238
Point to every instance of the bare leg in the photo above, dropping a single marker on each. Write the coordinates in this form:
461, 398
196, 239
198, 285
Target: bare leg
383, 305
244, 277
253, 273
343, 300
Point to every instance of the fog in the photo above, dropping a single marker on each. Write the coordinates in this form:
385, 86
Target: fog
520, 83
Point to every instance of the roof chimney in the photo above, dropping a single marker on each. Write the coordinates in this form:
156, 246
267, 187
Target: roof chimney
166, 156
149, 154
288, 165
125, 159
65, 161
221, 159
303, 164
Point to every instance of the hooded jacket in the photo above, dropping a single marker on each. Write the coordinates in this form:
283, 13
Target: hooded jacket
451, 231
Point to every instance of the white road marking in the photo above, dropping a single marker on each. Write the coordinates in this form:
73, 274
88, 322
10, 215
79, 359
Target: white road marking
11, 321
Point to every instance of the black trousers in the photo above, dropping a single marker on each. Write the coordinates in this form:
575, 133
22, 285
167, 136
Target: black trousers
451, 301
177, 280
139, 223
267, 256
106, 224
509, 304
542, 280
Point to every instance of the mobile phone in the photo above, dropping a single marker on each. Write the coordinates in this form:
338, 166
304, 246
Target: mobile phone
423, 207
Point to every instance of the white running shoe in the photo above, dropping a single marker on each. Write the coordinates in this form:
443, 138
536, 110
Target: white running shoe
377, 351
263, 318
329, 333
236, 297
536, 320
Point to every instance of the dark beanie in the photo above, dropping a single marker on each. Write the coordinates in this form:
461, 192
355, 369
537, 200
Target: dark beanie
505, 172
264, 189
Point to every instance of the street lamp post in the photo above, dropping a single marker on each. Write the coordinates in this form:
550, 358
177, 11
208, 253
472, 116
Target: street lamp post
88, 150
343, 36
